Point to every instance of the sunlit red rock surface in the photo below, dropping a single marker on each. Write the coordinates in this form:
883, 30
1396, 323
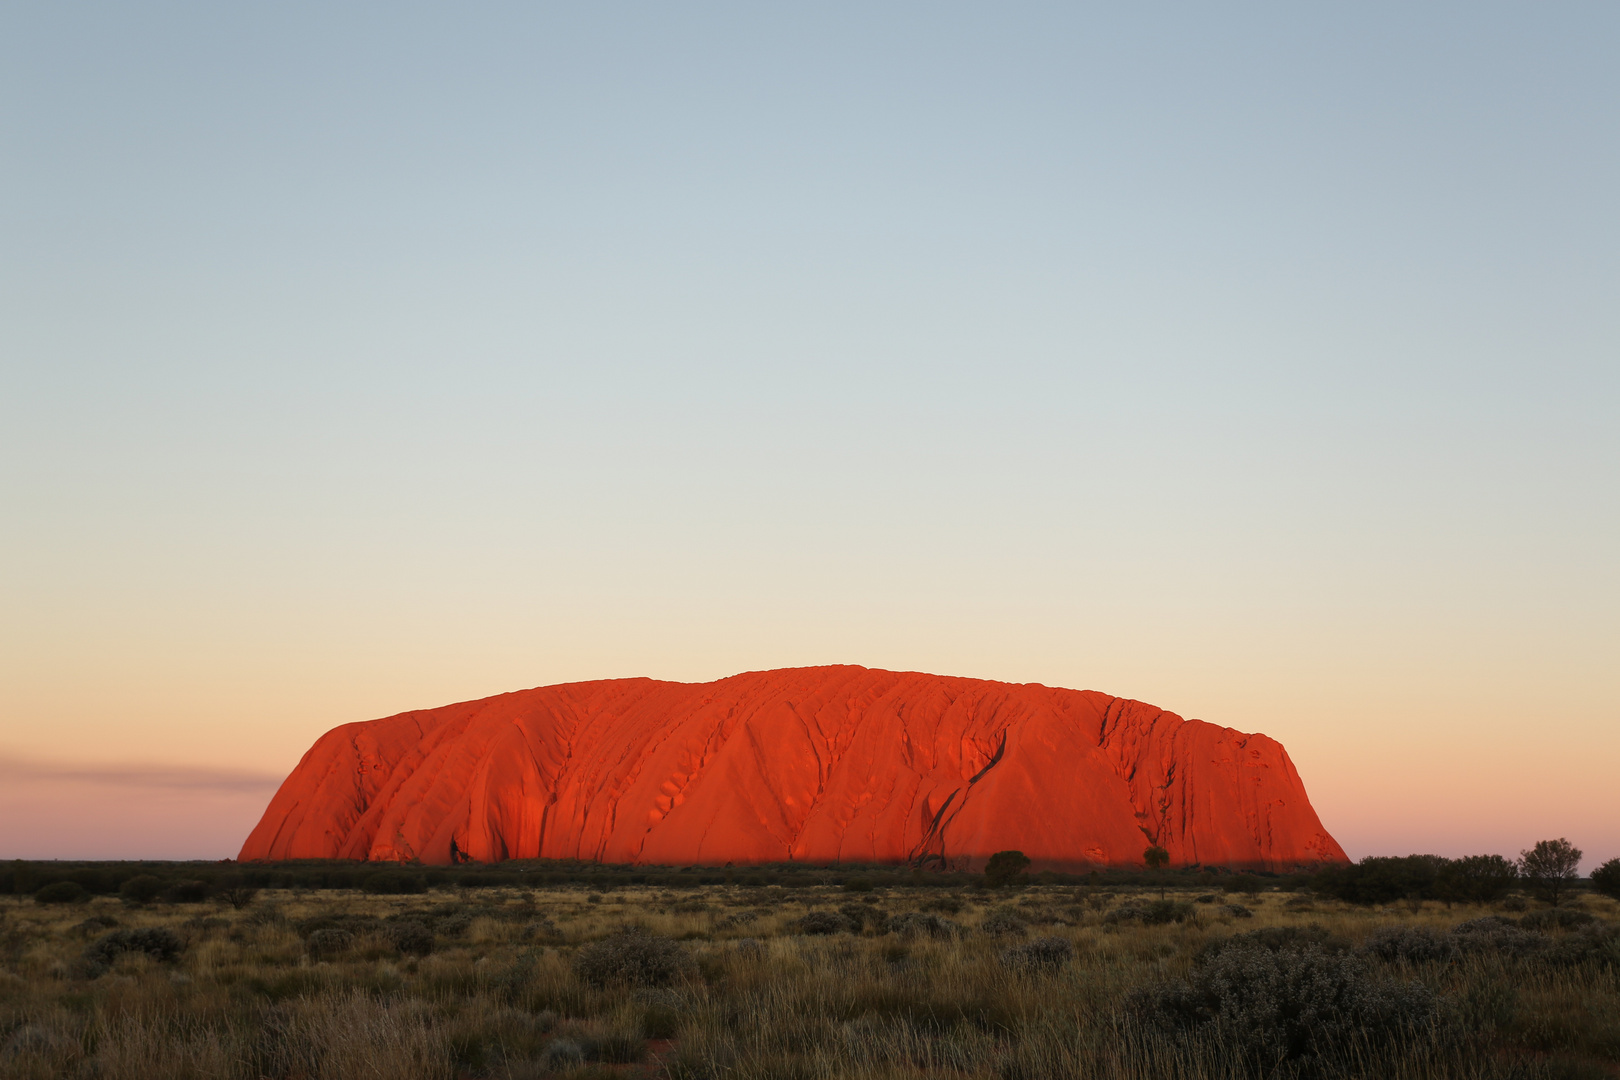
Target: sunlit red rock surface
821, 765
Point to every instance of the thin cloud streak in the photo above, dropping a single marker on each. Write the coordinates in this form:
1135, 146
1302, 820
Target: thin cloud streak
145, 776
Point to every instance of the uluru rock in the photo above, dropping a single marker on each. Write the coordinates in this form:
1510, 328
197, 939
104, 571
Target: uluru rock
819, 765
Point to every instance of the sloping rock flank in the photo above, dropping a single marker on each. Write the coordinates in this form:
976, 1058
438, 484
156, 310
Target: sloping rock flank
820, 765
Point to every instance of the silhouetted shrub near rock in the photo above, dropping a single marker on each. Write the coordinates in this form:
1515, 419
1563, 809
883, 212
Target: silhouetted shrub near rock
1291, 1011
1042, 954
1409, 944
824, 922
1003, 923
1006, 868
156, 942
141, 889
61, 892
631, 957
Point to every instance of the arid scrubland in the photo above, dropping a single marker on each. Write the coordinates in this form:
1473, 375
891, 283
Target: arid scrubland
726, 981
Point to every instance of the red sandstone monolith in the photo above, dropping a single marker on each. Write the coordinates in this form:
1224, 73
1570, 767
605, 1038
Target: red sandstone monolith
817, 765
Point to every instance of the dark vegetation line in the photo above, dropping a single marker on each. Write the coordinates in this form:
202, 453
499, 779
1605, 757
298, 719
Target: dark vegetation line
1548, 870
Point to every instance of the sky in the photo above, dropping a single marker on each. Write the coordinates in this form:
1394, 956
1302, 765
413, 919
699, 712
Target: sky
1261, 362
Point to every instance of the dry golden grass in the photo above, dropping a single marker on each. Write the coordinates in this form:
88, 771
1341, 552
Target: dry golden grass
498, 995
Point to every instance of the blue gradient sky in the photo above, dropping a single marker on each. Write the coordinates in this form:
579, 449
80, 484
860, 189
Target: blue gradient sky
1261, 363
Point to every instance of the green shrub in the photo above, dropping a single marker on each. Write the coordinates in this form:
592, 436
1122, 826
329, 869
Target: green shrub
631, 957
61, 892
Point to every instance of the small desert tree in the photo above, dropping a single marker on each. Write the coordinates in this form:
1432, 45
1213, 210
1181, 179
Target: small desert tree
1157, 858
1550, 866
1005, 868
1606, 878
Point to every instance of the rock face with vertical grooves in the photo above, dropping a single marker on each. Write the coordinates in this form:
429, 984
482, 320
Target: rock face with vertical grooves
818, 765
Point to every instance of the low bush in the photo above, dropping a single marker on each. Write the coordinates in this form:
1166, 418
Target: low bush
61, 892
330, 942
186, 892
95, 924
1004, 923
1041, 955
1597, 945
156, 942
1287, 1011
1556, 919
1152, 913
946, 905
1279, 939
1606, 879
631, 957
236, 891
1237, 911
1496, 935
863, 916
824, 922
1409, 944
923, 924
141, 889
411, 937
